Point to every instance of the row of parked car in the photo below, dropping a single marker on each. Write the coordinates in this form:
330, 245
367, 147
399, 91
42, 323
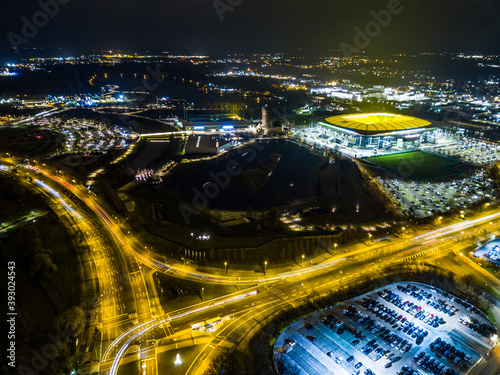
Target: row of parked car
372, 349
407, 370
430, 299
482, 328
357, 367
466, 305
453, 354
375, 352
398, 321
334, 323
413, 309
429, 363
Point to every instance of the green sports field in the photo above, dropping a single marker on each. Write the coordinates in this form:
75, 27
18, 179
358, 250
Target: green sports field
418, 165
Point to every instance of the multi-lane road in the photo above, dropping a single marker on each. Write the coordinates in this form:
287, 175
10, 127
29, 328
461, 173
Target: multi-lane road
131, 314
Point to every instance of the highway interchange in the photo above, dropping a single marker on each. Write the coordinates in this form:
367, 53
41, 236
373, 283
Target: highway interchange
129, 311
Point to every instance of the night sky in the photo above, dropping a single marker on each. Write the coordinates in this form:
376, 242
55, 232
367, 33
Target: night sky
256, 25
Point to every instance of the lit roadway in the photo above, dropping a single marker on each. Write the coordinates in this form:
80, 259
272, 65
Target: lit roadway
117, 300
249, 310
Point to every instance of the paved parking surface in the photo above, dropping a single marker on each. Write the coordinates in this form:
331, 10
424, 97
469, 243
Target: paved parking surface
401, 329
473, 151
427, 198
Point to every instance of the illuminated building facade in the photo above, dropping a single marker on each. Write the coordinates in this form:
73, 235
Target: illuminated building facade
220, 122
379, 132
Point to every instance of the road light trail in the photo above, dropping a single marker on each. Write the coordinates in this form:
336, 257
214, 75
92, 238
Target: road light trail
394, 254
116, 362
119, 338
456, 227
171, 318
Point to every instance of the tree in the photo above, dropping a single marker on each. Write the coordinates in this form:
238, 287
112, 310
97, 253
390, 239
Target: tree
478, 292
495, 172
223, 364
467, 280
27, 240
71, 323
42, 266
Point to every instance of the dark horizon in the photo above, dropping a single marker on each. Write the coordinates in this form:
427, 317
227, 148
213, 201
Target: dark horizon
216, 27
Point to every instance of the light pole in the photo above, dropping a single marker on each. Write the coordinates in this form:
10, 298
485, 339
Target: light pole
225, 267
265, 267
303, 256
370, 237
184, 260
334, 247
203, 294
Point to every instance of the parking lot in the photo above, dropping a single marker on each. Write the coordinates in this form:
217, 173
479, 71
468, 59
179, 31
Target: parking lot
426, 198
86, 135
401, 329
471, 150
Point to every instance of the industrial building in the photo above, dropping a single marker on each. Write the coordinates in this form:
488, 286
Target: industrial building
217, 122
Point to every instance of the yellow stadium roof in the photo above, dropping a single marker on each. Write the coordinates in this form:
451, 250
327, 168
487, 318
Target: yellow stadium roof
372, 123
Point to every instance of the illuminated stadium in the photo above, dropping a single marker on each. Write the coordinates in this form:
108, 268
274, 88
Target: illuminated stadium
372, 133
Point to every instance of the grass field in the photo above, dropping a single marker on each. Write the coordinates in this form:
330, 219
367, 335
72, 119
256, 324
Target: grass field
418, 165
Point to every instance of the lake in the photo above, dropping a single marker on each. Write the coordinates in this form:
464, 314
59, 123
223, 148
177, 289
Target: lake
291, 179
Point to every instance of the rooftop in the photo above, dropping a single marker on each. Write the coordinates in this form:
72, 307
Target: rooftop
372, 123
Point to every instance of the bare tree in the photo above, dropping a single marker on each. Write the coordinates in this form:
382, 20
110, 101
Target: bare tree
467, 280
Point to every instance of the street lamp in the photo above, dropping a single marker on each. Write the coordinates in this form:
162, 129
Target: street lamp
225, 266
184, 260
265, 267
370, 237
202, 294
334, 246
303, 256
